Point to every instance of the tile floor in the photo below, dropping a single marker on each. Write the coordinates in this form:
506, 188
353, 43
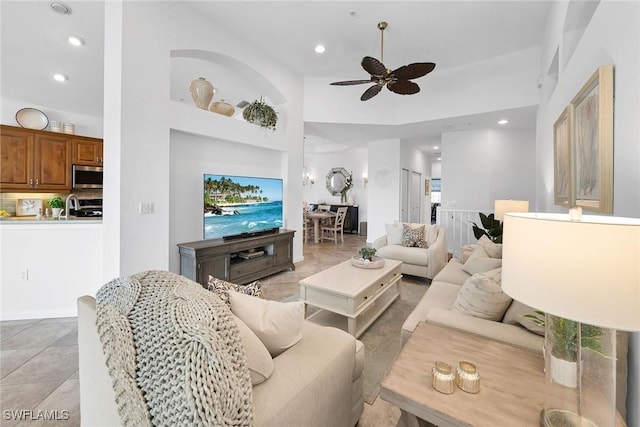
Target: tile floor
39, 382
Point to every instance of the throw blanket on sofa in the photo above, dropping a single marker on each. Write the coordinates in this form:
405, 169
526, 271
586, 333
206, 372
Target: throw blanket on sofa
174, 353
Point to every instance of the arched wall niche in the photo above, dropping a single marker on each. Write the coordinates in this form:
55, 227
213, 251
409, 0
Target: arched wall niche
233, 80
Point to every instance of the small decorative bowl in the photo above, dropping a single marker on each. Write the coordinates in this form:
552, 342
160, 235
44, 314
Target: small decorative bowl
467, 377
443, 378
376, 262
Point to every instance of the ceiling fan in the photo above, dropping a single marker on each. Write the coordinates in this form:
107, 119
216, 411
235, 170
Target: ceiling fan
398, 80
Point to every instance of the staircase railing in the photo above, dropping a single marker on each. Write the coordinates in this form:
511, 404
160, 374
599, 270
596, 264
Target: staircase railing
457, 222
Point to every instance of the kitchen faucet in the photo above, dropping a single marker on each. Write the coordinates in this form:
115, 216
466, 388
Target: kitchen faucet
71, 198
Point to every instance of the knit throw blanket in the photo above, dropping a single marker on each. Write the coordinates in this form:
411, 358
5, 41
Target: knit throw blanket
173, 352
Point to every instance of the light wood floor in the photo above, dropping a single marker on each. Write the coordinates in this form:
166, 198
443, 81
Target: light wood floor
39, 358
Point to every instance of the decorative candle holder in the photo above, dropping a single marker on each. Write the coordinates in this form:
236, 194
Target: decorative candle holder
467, 377
443, 378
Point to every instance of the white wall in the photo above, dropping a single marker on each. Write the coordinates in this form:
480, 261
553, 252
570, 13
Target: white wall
479, 167
319, 164
191, 158
85, 125
611, 37
62, 261
499, 83
138, 70
383, 189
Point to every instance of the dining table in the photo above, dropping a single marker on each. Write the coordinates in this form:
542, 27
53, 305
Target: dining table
316, 216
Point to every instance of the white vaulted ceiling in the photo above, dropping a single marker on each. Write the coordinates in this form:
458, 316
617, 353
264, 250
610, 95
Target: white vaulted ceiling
449, 33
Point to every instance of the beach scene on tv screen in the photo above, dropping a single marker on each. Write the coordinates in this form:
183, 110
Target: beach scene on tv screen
235, 205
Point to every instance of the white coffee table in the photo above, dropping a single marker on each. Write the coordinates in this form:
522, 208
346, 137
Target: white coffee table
357, 295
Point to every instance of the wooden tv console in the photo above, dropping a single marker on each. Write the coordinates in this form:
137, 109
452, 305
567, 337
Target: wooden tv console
227, 260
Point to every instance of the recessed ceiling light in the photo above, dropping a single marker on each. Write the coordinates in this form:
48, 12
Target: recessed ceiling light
60, 7
320, 48
60, 77
439, 158
503, 122
75, 40
435, 147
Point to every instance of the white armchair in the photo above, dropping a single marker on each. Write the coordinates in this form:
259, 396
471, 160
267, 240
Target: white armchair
422, 262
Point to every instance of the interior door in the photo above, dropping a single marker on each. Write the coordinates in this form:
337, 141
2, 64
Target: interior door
415, 196
404, 195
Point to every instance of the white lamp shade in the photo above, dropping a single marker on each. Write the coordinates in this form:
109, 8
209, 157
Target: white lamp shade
501, 207
587, 271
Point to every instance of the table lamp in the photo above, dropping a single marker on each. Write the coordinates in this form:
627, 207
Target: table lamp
585, 269
500, 207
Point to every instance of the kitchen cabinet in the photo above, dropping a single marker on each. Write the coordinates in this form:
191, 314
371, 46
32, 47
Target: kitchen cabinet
32, 160
87, 151
240, 261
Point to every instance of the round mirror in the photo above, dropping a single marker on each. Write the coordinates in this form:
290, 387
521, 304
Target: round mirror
336, 179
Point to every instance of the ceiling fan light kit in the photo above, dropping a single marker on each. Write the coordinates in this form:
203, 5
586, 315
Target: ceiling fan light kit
397, 81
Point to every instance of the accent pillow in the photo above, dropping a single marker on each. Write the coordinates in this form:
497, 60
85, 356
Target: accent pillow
222, 287
394, 234
481, 296
277, 324
515, 316
494, 250
258, 358
413, 237
432, 234
480, 262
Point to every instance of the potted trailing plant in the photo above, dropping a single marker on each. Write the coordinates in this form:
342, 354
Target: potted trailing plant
57, 204
563, 341
260, 113
492, 228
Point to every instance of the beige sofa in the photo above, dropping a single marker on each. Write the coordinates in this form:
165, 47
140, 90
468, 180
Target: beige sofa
435, 307
416, 261
317, 382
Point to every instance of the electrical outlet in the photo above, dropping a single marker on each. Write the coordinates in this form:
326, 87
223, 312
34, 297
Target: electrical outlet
24, 275
145, 208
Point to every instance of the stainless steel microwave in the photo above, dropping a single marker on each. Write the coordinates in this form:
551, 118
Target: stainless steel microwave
86, 176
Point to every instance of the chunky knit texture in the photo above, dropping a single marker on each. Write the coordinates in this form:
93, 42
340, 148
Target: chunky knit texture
174, 353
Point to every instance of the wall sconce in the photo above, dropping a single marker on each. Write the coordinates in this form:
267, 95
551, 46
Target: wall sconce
307, 178
365, 178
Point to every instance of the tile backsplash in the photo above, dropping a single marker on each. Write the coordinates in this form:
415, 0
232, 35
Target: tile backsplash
8, 201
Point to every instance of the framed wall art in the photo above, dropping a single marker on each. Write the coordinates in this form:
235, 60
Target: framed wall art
592, 147
427, 187
562, 158
28, 207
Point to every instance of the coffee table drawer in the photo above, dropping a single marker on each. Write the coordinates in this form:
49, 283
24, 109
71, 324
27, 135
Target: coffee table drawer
379, 286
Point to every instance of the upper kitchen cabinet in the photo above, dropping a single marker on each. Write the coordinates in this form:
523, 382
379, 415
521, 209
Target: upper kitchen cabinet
87, 151
32, 160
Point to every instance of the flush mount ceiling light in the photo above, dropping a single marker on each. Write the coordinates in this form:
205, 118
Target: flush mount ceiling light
60, 77
320, 48
75, 40
59, 7
503, 122
435, 147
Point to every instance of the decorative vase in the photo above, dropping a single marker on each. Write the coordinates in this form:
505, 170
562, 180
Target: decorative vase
202, 92
563, 372
222, 107
343, 197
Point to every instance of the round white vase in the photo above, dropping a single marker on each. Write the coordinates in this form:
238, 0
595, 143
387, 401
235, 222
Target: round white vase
202, 92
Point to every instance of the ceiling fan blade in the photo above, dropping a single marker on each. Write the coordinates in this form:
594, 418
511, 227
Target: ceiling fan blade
350, 82
413, 71
374, 67
403, 87
371, 92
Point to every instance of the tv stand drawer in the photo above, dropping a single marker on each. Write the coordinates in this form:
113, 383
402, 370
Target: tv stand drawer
248, 266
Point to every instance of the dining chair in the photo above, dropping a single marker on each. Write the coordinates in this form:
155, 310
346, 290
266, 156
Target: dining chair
325, 208
307, 227
330, 232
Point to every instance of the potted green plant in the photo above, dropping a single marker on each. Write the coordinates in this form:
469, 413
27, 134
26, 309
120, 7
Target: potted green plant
367, 253
562, 336
261, 114
492, 228
57, 204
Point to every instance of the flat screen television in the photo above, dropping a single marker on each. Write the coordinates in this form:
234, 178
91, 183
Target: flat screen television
237, 206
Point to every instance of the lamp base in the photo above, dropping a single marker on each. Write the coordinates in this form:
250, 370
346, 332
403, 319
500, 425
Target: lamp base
552, 417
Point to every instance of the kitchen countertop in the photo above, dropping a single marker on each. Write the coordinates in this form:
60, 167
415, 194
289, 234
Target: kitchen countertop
33, 220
